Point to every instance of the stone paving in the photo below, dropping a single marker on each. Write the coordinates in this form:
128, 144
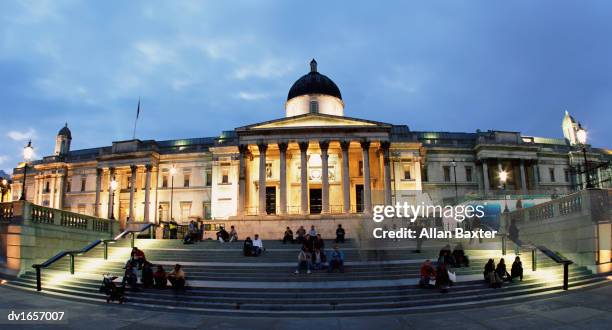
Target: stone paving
585, 309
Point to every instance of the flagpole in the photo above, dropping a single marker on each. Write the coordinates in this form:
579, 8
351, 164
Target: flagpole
136, 119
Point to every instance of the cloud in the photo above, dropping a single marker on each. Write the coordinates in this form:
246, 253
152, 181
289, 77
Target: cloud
3, 159
272, 68
249, 96
22, 136
154, 52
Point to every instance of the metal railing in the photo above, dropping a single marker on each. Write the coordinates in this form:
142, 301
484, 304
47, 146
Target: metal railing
546, 251
73, 253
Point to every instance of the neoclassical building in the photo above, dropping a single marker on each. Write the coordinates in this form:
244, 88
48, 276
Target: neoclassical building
315, 162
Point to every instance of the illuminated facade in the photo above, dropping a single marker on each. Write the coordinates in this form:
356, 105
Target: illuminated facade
313, 163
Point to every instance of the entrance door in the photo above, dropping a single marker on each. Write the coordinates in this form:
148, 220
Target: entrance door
359, 198
316, 201
271, 200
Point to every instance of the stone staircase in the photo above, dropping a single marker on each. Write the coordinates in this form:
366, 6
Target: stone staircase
381, 280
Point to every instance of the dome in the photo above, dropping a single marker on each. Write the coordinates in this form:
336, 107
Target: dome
65, 131
314, 83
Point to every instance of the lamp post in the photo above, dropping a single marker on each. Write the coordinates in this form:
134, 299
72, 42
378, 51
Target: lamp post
503, 177
581, 135
28, 153
172, 173
454, 165
113, 187
3, 189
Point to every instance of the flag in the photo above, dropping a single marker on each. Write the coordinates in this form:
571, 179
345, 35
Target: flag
138, 109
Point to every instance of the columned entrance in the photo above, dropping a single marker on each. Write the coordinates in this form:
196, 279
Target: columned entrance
316, 200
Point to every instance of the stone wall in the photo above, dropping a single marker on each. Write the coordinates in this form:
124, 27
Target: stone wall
568, 225
32, 234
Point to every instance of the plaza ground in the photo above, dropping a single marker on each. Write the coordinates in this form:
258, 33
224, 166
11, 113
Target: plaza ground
581, 309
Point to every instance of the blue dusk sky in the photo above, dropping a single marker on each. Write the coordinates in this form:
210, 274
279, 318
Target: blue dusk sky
201, 67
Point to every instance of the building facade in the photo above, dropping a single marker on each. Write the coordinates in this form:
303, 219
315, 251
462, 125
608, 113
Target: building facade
313, 163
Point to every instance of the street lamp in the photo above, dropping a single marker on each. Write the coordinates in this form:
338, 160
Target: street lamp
503, 177
454, 165
28, 153
113, 187
3, 189
172, 173
581, 135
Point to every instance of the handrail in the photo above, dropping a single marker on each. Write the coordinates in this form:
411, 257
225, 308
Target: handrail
86, 249
546, 251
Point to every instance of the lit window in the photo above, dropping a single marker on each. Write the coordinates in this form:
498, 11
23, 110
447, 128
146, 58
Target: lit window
361, 168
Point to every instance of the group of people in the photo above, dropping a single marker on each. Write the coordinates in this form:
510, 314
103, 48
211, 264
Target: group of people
301, 235
149, 278
223, 236
455, 258
440, 277
253, 247
311, 258
495, 276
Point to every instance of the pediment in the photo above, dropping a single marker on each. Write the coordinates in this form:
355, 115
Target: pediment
313, 120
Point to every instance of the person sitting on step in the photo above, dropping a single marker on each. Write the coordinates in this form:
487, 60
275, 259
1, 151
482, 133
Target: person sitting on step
517, 269
233, 234
428, 275
147, 275
258, 247
336, 260
319, 258
443, 281
138, 257
459, 257
445, 256
288, 236
177, 278
222, 235
247, 248
340, 234
488, 269
304, 261
312, 232
301, 232
129, 277
501, 271
160, 277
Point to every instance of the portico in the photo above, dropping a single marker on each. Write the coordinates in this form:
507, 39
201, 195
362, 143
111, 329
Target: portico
311, 164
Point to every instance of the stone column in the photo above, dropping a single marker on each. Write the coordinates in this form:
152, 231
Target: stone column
536, 177
52, 192
134, 171
36, 184
262, 178
60, 190
367, 185
485, 177
324, 145
523, 178
41, 188
243, 149
147, 207
303, 178
111, 202
346, 179
98, 186
385, 145
282, 147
